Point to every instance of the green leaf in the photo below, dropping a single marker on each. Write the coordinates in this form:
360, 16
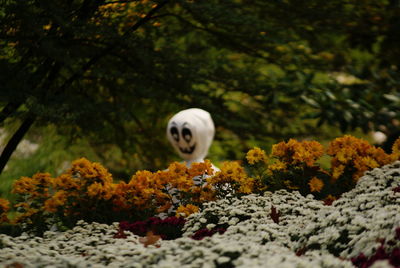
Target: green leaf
392, 97
347, 116
310, 101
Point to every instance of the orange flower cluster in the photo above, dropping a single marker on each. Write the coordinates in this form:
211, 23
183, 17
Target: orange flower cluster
87, 191
396, 150
36, 187
185, 211
84, 183
4, 207
143, 191
256, 155
89, 172
54, 202
148, 190
316, 184
34, 192
294, 164
294, 152
350, 153
233, 179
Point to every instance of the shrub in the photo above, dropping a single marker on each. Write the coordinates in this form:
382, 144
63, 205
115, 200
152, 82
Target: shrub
293, 165
87, 191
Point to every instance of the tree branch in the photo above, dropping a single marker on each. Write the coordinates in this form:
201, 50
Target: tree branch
108, 49
216, 33
14, 141
10, 108
119, 2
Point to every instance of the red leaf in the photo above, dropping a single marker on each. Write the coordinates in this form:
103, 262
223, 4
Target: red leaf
301, 251
149, 239
15, 265
275, 214
120, 234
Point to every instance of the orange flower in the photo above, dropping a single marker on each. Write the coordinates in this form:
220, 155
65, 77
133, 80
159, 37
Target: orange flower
177, 169
57, 200
4, 207
256, 155
185, 211
67, 182
246, 185
182, 183
294, 152
44, 180
278, 165
165, 207
337, 171
101, 191
316, 184
396, 150
201, 194
24, 185
90, 172
202, 168
348, 151
232, 169
232, 176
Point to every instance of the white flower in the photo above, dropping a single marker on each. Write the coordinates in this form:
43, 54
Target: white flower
350, 226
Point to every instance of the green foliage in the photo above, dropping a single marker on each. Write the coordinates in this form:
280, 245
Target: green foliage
293, 165
87, 191
54, 155
112, 73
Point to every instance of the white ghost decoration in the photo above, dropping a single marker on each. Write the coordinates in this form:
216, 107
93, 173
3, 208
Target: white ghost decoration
191, 133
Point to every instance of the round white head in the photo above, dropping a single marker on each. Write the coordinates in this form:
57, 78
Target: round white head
191, 133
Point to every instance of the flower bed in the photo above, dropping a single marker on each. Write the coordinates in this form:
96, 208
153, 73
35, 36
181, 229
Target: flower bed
280, 229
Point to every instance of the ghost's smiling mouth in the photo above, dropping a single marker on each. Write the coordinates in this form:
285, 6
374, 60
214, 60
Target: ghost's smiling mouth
188, 150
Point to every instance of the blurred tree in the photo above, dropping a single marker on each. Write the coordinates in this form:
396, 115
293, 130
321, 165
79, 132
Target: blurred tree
114, 71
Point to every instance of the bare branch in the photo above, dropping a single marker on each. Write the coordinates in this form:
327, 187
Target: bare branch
109, 48
216, 33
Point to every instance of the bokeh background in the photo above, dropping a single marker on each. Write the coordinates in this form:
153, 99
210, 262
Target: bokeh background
100, 78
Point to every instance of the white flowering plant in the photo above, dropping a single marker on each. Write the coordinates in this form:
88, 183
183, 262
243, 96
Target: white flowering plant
280, 229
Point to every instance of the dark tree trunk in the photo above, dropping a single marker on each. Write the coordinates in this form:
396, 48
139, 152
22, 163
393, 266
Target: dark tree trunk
23, 129
8, 110
14, 141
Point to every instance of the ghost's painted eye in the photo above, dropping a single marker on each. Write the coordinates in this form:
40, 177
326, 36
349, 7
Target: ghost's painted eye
187, 134
174, 133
